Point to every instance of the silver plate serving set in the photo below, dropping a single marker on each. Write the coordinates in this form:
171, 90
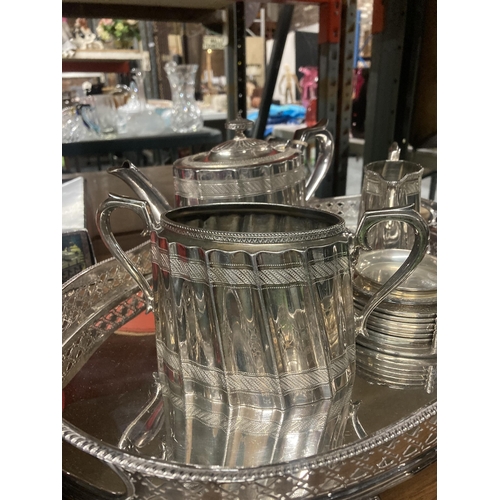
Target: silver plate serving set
280, 321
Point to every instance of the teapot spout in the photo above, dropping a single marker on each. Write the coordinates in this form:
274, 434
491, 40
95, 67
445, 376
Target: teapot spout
143, 188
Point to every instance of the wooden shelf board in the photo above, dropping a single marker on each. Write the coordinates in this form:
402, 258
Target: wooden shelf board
199, 11
106, 55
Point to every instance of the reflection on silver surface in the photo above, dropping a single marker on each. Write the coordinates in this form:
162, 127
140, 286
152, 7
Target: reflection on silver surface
253, 301
348, 208
407, 329
400, 334
397, 372
102, 401
189, 431
388, 184
379, 265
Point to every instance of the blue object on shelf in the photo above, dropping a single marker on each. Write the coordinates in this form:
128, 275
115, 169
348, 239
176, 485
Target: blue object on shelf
279, 114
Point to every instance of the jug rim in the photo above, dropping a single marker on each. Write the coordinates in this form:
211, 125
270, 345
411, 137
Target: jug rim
172, 221
376, 168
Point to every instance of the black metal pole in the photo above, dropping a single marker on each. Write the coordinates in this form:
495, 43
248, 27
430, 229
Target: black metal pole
235, 62
282, 29
241, 65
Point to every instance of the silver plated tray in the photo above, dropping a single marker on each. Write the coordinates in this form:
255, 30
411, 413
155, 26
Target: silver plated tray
108, 379
348, 208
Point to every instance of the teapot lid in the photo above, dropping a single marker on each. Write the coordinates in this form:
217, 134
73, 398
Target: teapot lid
238, 152
241, 147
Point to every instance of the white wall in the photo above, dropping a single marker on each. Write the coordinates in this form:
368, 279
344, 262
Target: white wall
288, 57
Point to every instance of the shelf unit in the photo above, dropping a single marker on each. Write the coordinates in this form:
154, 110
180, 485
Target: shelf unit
397, 33
103, 61
186, 11
106, 55
336, 51
331, 58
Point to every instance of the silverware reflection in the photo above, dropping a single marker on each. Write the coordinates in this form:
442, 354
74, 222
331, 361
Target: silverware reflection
194, 430
398, 372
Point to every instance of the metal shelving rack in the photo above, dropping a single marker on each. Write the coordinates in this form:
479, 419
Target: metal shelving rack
397, 31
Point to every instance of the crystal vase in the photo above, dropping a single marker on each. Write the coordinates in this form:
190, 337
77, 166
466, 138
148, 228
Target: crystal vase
186, 114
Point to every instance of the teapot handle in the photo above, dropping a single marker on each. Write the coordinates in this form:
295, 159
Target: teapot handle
324, 157
417, 253
141, 208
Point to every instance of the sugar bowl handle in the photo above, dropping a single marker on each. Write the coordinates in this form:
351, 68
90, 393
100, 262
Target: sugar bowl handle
142, 209
417, 253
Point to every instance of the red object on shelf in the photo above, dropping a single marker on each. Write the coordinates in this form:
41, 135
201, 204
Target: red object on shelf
312, 113
141, 324
330, 20
69, 66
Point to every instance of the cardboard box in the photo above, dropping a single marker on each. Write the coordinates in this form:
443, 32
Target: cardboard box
77, 251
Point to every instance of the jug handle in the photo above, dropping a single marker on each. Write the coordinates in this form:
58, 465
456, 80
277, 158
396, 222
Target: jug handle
324, 157
141, 208
402, 214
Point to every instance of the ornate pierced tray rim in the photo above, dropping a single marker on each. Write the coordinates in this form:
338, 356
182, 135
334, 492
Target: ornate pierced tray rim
174, 471
190, 473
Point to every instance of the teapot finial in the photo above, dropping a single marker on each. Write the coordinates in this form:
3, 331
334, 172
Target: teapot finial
239, 125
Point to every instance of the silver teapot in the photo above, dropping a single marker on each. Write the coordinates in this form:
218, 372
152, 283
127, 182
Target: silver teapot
245, 169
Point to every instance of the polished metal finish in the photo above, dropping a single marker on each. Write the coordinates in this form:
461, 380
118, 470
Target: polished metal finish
245, 169
405, 323
396, 371
348, 207
392, 432
235, 436
143, 188
253, 302
392, 327
388, 184
376, 267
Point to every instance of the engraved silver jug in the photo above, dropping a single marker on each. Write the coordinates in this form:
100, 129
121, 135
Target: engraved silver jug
253, 302
245, 169
387, 184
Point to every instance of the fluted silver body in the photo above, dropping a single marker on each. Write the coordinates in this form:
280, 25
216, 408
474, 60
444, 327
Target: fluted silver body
254, 310
389, 184
258, 314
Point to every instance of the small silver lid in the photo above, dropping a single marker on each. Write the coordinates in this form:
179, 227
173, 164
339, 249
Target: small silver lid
241, 147
238, 152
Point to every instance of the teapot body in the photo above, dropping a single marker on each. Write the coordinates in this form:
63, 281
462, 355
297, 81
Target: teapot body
241, 170
279, 180
253, 170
